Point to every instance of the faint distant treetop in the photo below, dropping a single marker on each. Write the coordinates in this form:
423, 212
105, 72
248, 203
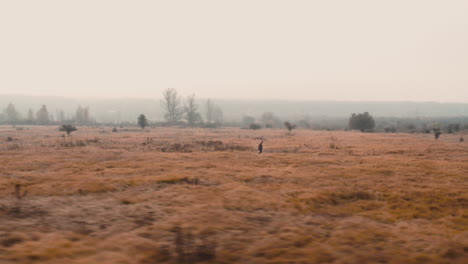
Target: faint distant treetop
68, 129
42, 116
254, 126
269, 119
82, 115
30, 115
191, 111
209, 109
248, 120
363, 121
213, 113
12, 114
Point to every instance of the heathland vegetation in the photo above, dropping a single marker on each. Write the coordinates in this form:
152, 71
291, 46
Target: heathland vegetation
191, 188
195, 195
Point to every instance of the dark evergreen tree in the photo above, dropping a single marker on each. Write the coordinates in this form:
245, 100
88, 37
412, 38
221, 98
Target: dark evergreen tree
142, 121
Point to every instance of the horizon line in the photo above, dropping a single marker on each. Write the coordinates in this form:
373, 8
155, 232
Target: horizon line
237, 99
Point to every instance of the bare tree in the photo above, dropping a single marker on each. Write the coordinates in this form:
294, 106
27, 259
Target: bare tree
171, 104
191, 111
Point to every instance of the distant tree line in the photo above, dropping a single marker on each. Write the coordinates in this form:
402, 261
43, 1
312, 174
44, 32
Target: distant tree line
191, 112
10, 115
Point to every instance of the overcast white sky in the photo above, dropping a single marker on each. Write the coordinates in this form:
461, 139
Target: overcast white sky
309, 50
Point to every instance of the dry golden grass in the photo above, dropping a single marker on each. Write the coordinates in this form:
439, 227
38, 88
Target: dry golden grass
312, 197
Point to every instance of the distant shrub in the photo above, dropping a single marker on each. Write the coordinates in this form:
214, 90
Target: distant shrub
176, 148
333, 146
289, 127
437, 133
451, 128
210, 125
391, 129
198, 146
115, 130
254, 126
80, 143
92, 140
68, 129
193, 181
333, 143
18, 194
191, 249
14, 147
363, 122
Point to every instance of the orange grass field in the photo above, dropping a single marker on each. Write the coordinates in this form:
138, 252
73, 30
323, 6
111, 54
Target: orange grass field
170, 195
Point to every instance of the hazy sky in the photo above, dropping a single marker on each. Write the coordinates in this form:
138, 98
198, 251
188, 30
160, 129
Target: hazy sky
311, 50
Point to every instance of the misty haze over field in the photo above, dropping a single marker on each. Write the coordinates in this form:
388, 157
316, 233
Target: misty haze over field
125, 110
360, 50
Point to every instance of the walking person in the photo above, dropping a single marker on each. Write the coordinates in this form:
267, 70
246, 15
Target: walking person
260, 148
